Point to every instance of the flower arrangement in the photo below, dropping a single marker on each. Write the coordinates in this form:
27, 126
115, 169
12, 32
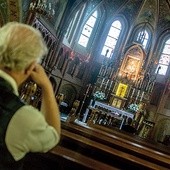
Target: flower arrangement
133, 108
99, 95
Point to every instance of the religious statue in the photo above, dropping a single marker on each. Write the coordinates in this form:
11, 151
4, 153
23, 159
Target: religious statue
73, 112
60, 98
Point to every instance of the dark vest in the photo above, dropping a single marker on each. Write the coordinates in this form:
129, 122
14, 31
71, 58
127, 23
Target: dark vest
9, 104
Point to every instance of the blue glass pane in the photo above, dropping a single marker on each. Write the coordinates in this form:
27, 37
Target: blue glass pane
110, 42
162, 70
105, 48
143, 37
117, 24
168, 41
166, 49
87, 31
114, 32
146, 35
145, 43
91, 21
83, 40
164, 59
95, 14
111, 31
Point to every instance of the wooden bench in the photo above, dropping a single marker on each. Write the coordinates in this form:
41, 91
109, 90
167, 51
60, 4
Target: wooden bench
125, 143
83, 147
79, 159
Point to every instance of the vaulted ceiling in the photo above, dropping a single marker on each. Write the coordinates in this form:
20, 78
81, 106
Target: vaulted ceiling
157, 10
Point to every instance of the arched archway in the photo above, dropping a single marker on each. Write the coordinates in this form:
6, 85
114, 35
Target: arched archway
70, 93
162, 129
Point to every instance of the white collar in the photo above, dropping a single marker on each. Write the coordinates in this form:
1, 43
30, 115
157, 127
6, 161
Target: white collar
10, 80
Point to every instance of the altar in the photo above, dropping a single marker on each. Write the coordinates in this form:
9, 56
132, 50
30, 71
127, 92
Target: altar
102, 113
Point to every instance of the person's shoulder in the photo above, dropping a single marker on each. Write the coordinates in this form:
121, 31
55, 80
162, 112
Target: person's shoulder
29, 113
28, 118
29, 108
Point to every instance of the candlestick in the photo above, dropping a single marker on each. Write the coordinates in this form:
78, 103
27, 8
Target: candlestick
132, 93
110, 85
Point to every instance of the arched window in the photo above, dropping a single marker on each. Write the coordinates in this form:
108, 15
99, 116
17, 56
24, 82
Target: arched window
87, 30
164, 59
112, 38
143, 38
74, 26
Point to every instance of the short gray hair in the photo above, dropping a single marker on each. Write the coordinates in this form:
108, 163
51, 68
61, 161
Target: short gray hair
20, 44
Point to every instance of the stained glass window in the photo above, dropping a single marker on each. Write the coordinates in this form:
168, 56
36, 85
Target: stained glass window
112, 38
164, 59
87, 30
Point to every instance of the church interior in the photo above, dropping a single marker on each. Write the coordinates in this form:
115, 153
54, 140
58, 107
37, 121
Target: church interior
108, 62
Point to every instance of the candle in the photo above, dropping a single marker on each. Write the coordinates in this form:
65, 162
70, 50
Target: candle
100, 72
102, 83
137, 95
140, 83
115, 85
137, 83
105, 71
142, 96
110, 85
147, 86
128, 91
132, 93
151, 87
111, 73
106, 84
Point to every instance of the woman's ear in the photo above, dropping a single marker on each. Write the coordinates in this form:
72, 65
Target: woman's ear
30, 68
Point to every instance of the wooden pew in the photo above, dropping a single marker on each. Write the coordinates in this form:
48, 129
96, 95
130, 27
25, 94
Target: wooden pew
80, 159
131, 152
107, 154
83, 147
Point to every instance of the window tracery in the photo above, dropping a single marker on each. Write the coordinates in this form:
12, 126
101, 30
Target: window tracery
142, 36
